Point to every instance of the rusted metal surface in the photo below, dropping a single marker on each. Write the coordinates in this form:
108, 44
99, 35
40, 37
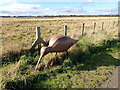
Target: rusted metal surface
58, 43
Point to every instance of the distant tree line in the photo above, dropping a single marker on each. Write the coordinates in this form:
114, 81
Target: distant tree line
68, 16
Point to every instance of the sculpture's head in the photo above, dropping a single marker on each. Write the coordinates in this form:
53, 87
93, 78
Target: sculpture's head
44, 51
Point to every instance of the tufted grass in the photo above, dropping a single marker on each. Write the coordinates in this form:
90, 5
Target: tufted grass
83, 68
87, 66
89, 63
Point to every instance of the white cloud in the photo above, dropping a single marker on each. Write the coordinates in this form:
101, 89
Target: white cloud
17, 9
71, 11
19, 1
88, 0
69, 1
7, 1
109, 11
33, 9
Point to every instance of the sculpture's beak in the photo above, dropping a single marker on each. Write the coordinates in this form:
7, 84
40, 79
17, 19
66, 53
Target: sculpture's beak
38, 62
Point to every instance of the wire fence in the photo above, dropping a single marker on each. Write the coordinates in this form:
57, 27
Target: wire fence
40, 40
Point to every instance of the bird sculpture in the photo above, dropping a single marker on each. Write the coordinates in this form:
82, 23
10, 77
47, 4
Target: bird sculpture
58, 43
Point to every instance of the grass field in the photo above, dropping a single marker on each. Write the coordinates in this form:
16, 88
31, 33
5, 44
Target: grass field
19, 33
89, 63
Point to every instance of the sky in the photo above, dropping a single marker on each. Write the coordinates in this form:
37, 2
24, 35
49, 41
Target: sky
58, 7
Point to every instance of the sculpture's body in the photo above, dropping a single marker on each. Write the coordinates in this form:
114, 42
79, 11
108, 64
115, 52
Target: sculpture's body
58, 43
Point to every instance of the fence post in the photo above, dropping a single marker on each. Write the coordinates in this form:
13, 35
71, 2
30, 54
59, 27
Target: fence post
102, 25
94, 25
113, 24
109, 25
37, 32
117, 23
38, 37
83, 26
65, 30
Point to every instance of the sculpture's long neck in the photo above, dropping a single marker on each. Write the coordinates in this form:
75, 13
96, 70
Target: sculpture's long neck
51, 49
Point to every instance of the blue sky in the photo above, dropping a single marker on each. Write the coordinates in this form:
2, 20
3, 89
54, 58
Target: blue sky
39, 8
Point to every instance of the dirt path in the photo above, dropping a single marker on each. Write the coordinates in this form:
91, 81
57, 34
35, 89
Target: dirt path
113, 80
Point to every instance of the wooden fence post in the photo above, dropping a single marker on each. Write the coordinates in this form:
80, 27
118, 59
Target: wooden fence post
108, 25
94, 25
117, 23
38, 37
102, 25
65, 30
83, 26
113, 24
37, 41
0, 63
37, 32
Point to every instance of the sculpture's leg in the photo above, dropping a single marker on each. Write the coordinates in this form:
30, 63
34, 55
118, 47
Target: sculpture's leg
67, 53
38, 63
56, 54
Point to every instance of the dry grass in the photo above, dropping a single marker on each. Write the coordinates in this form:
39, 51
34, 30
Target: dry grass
19, 33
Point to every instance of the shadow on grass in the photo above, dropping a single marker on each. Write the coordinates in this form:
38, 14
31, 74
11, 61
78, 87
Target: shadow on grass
91, 58
95, 56
13, 57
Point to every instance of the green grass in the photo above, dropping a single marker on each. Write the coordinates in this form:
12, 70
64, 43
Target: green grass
89, 63
83, 69
87, 66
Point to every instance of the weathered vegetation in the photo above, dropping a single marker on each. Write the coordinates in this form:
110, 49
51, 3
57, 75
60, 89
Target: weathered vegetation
89, 63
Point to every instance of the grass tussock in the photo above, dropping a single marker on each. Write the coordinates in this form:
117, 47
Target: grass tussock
83, 68
90, 61
87, 65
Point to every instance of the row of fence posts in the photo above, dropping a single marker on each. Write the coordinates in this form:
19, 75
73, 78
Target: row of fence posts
39, 40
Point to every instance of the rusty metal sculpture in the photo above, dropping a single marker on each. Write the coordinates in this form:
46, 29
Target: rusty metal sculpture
58, 43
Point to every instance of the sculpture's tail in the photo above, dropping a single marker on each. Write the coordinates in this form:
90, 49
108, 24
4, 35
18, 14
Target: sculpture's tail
73, 34
77, 35
81, 36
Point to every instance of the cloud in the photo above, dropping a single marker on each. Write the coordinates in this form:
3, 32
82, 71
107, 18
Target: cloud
70, 11
35, 10
109, 11
27, 1
99, 0
17, 9
88, 0
17, 6
6, 1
